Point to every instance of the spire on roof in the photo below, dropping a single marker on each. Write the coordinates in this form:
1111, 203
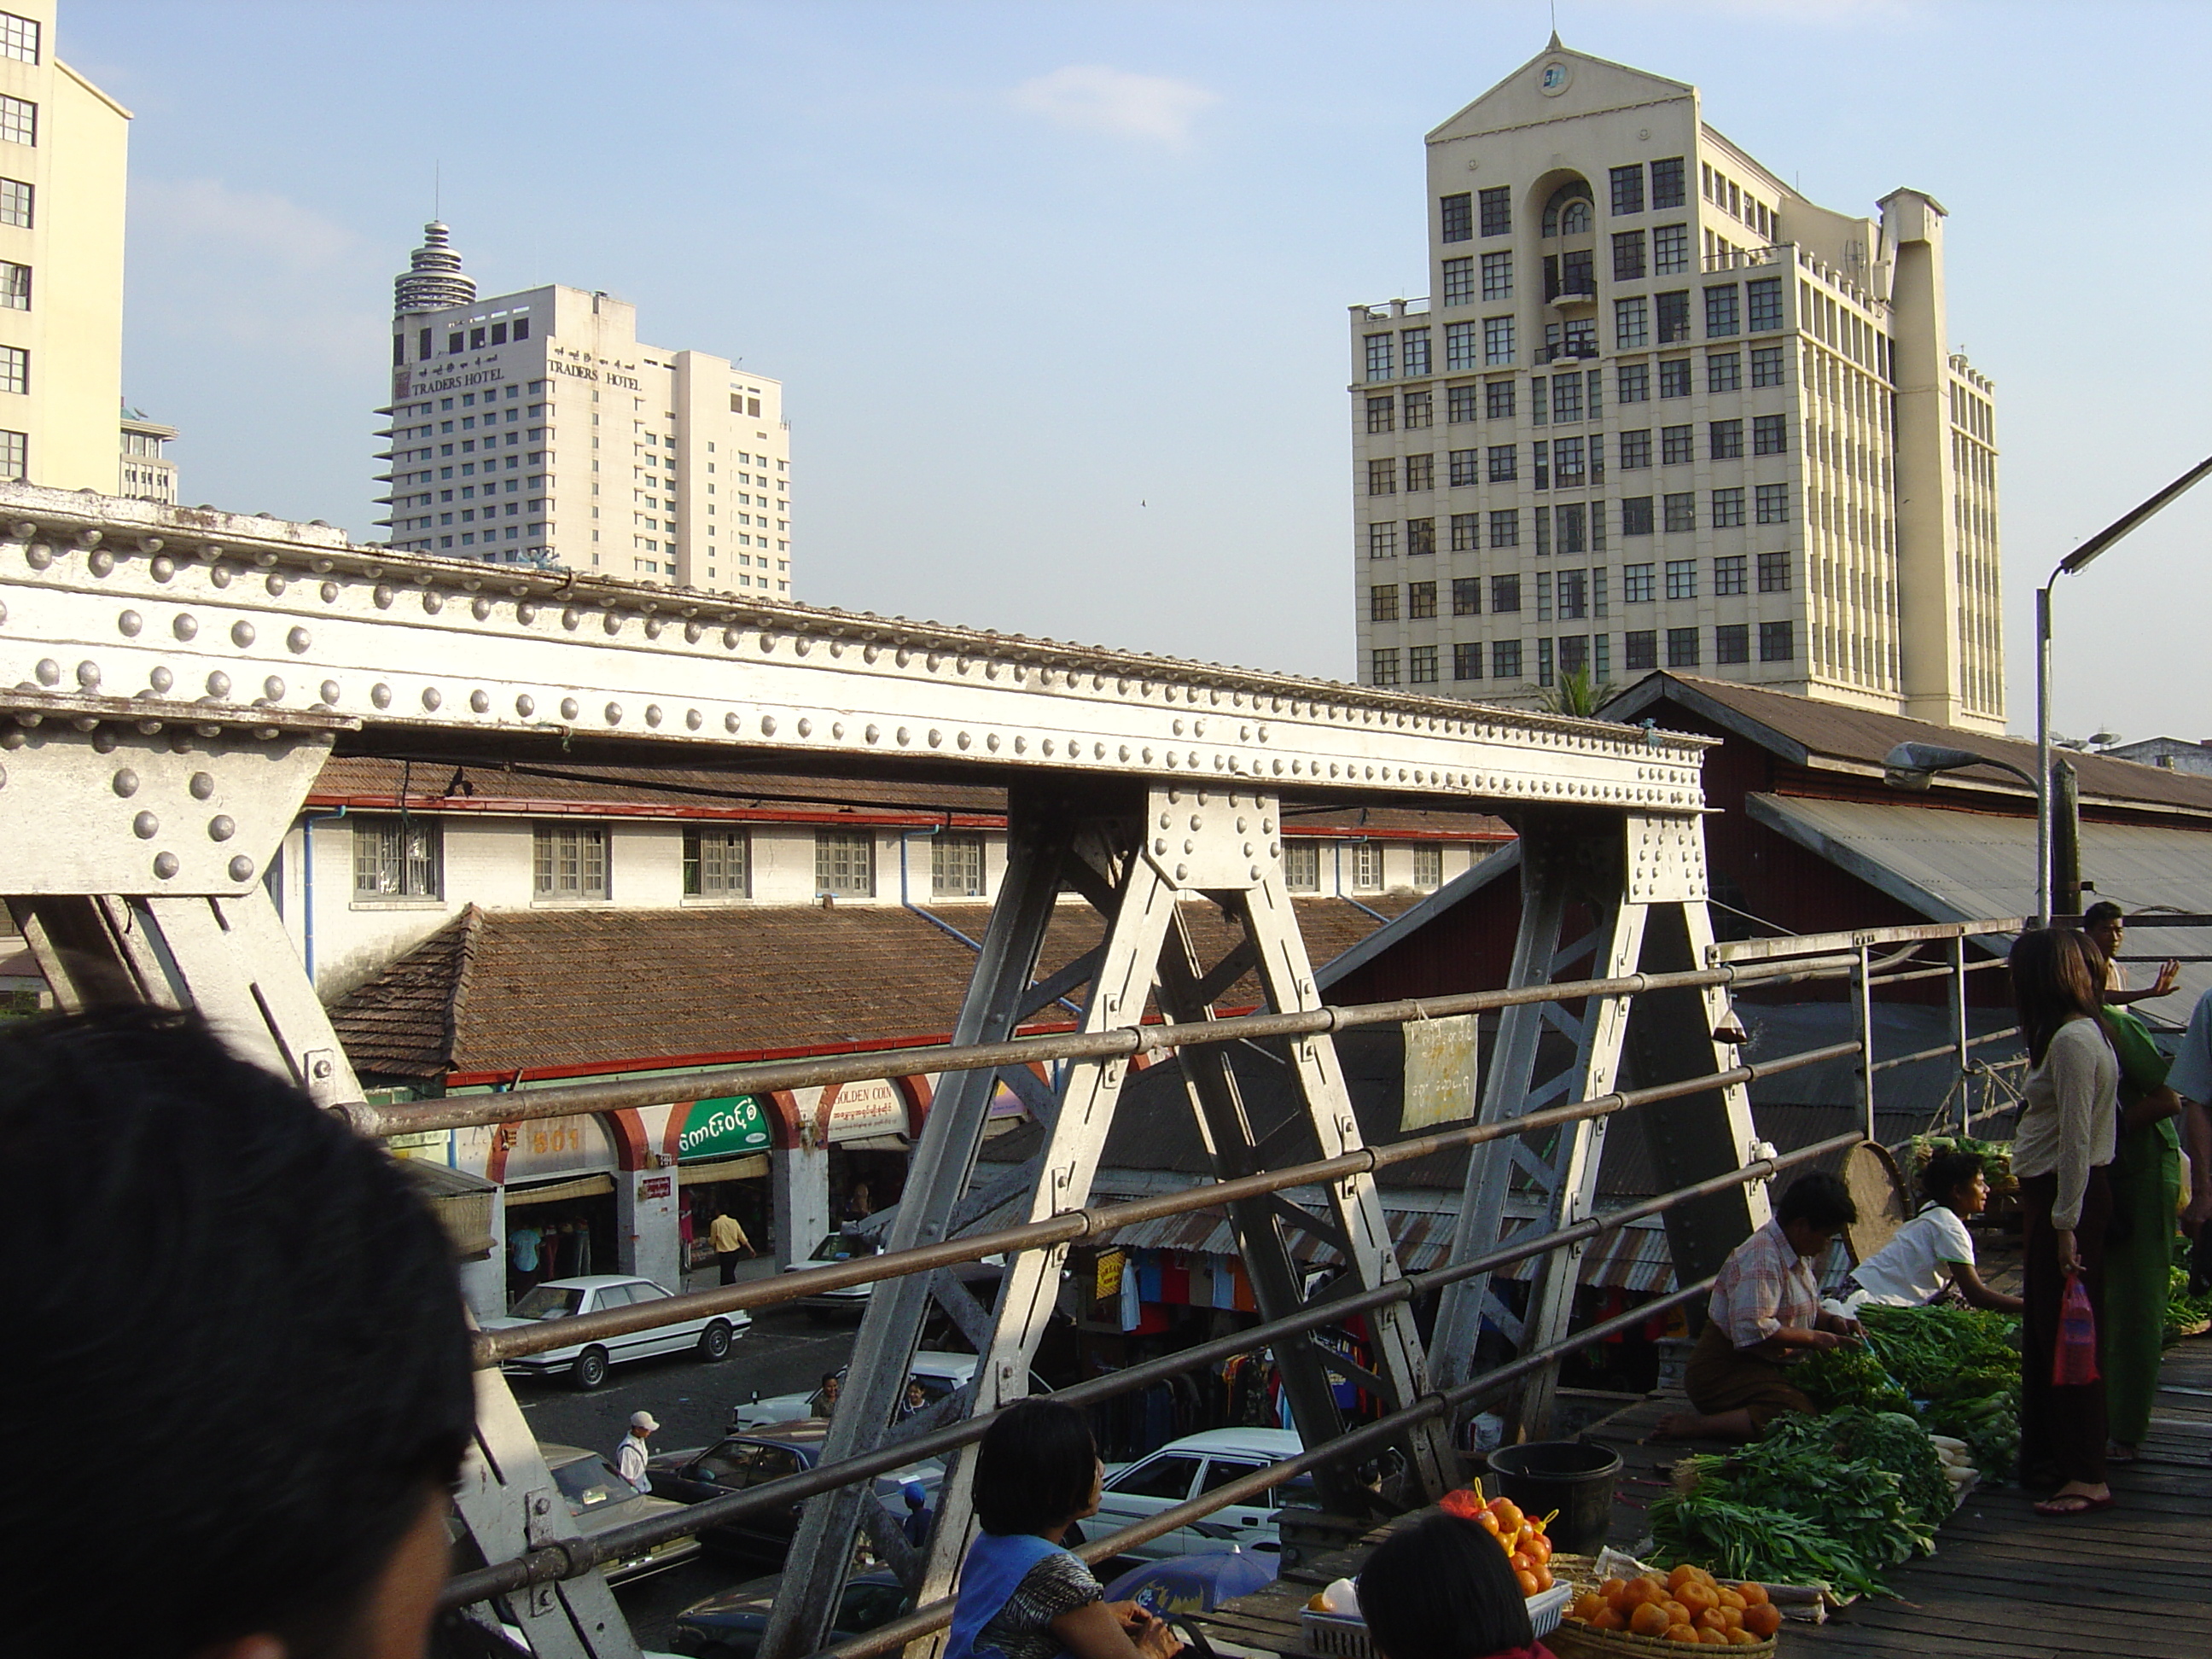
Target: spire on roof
1556, 45
434, 279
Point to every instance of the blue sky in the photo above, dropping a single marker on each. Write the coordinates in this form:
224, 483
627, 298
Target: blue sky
1057, 289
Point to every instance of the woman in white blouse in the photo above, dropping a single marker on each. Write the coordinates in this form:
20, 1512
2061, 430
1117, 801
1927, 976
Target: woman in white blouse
2065, 1138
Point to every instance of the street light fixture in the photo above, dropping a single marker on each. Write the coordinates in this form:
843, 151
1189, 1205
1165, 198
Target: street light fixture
1914, 765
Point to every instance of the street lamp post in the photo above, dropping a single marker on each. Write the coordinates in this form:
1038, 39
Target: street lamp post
2067, 566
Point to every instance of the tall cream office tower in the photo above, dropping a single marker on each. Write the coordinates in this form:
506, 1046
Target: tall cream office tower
535, 428
1664, 412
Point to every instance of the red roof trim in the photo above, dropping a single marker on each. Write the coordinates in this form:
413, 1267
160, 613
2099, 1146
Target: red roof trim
510, 807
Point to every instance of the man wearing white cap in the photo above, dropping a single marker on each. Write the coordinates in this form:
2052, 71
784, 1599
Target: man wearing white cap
629, 1459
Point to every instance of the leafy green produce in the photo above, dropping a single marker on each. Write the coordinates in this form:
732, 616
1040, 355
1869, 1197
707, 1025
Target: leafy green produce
1849, 1376
1965, 1363
1734, 1540
2184, 1313
1995, 1156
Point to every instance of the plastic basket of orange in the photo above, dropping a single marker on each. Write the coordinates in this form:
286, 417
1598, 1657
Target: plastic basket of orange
1652, 1614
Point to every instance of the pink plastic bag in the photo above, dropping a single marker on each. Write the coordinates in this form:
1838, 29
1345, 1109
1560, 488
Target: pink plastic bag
2074, 1362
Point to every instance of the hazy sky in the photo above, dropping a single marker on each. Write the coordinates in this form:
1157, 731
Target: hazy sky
1058, 290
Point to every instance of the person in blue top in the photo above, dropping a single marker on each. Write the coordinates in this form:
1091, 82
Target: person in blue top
1022, 1596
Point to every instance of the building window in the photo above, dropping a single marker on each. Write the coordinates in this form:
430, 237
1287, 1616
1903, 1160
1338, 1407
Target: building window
1497, 207
1415, 344
1544, 674
1460, 350
1774, 572
14, 286
1498, 399
1539, 468
1777, 642
1382, 541
1421, 600
571, 861
1763, 303
1636, 451
398, 858
1302, 865
1674, 316
1682, 579
1769, 435
1466, 533
1367, 866
1459, 281
1382, 414
1724, 372
1382, 667
1726, 440
1498, 274
1456, 217
1640, 649
1728, 508
1636, 515
1573, 589
1681, 647
1466, 662
845, 862
1574, 654
1504, 593
1420, 536
1721, 313
19, 120
1636, 583
1467, 597
1670, 251
1428, 868
1766, 367
955, 866
1421, 665
1465, 469
1566, 398
1732, 643
716, 864
1628, 189
1772, 503
1675, 377
1383, 603
1497, 339
1674, 449
1419, 407
1666, 183
1503, 463
1461, 404
1505, 527
1383, 478
1677, 512
1730, 574
1632, 325
14, 369
14, 202
1420, 473
19, 37
1379, 356
1505, 659
1633, 383
1628, 256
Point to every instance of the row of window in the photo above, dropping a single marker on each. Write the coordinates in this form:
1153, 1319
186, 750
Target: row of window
1583, 653
1639, 321
1356, 865
457, 340
1458, 214
1723, 369
1583, 593
1677, 510
1500, 463
1563, 399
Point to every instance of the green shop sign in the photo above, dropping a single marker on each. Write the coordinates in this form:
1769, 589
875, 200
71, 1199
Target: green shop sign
723, 1128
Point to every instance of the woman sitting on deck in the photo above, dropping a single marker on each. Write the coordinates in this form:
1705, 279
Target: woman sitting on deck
1023, 1596
1442, 1589
1765, 1309
1931, 1257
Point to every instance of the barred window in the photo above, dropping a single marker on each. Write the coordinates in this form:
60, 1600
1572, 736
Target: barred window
1419, 407
1497, 205
1628, 189
14, 286
1728, 508
1682, 579
1455, 215
716, 864
1774, 572
1466, 597
1498, 274
1722, 316
1420, 536
1670, 252
1763, 302
1681, 647
845, 862
1497, 339
1382, 414
14, 202
1730, 573
1724, 372
1415, 343
1636, 515
1421, 665
19, 37
1498, 399
1420, 600
1459, 281
1503, 463
1732, 643
1772, 503
1466, 533
1382, 541
398, 858
1420, 472
1505, 527
1379, 354
19, 120
1302, 865
1677, 512
1667, 189
1382, 667
1777, 642
14, 369
1504, 593
1466, 469
1675, 449
1725, 439
955, 866
1383, 603
1637, 586
1675, 377
1636, 451
1383, 476
1505, 659
1462, 347
1632, 324
1769, 435
571, 860
1766, 366
1640, 649
1467, 661
1633, 383
1461, 404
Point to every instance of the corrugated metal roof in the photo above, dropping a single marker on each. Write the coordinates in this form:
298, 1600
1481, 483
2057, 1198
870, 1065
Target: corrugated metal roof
1953, 866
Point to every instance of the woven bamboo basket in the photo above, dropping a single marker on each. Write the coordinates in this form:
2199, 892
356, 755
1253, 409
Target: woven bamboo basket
1574, 1641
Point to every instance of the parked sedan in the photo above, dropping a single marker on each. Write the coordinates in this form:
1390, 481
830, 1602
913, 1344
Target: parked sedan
585, 1364
601, 1499
936, 1374
740, 1461
730, 1626
1196, 1464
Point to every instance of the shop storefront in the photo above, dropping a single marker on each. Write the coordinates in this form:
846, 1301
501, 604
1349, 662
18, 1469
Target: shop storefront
558, 1174
721, 1148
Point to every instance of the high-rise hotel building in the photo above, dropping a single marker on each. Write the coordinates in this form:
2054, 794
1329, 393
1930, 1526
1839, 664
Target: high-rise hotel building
536, 428
1661, 411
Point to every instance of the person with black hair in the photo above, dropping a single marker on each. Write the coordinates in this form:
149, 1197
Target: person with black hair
1763, 1312
1442, 1589
1021, 1594
2105, 924
1932, 1255
251, 1325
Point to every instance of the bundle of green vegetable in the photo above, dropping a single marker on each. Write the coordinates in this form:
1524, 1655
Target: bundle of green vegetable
1995, 1156
1734, 1540
2185, 1314
1965, 1363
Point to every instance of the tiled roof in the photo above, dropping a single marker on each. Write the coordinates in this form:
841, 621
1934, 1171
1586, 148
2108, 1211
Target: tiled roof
577, 991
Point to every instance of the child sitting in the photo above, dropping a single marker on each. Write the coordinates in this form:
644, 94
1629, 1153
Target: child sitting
1932, 1254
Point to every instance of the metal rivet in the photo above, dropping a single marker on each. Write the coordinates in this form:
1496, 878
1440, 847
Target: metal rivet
129, 623
525, 614
570, 617
222, 828
526, 705
273, 689
693, 719
241, 868
88, 676
382, 596
570, 709
39, 557
202, 787
767, 728
653, 713
297, 640
936, 738
432, 696
146, 826
480, 702
904, 736
164, 567
1183, 872
480, 608
165, 865
218, 684
806, 728
614, 714
329, 688
380, 695
612, 623
872, 733
125, 783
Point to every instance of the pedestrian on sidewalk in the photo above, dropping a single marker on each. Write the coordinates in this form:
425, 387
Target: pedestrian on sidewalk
730, 1243
630, 1457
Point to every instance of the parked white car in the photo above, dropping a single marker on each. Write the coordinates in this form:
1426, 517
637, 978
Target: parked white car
1197, 1463
938, 1374
585, 1364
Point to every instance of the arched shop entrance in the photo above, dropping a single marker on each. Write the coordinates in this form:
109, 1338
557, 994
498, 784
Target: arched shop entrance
721, 1148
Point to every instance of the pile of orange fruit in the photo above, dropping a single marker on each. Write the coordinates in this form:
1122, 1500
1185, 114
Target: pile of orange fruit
1689, 1605
1520, 1535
